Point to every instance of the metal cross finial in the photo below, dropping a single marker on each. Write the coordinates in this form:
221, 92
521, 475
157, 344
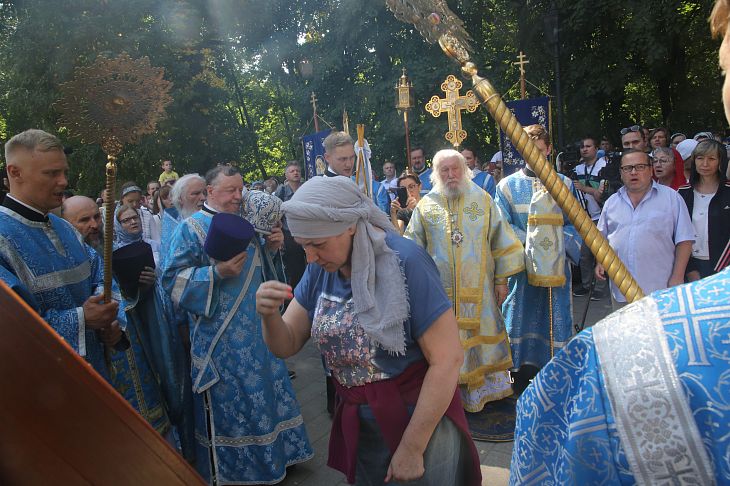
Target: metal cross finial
522, 60
314, 112
314, 102
453, 105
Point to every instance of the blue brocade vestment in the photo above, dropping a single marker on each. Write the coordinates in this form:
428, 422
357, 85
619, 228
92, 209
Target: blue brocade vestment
527, 309
46, 263
643, 397
256, 428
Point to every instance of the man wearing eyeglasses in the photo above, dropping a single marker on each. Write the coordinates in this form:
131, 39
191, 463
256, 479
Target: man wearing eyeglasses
648, 226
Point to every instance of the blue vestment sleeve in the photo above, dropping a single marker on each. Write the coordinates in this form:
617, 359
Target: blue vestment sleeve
491, 186
68, 323
563, 424
573, 240
505, 208
187, 273
381, 198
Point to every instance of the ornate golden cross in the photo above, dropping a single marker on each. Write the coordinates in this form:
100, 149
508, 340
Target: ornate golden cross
453, 105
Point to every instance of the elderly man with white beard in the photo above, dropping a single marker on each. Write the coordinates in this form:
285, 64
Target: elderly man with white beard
188, 196
475, 251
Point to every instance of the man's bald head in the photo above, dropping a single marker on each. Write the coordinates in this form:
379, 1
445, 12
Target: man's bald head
83, 213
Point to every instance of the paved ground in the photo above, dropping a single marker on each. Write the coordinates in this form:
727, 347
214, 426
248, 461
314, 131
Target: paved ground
310, 389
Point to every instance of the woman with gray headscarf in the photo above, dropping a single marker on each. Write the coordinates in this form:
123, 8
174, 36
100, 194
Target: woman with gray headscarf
373, 303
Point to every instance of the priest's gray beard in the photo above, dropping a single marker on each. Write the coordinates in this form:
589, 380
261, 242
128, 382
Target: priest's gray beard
98, 243
185, 213
453, 192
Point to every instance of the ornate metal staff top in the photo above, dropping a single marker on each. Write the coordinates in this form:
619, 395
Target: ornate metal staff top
113, 102
437, 23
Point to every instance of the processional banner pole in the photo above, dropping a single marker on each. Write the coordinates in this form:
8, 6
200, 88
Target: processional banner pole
437, 23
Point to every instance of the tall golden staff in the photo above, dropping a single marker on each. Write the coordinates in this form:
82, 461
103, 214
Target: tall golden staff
113, 102
436, 23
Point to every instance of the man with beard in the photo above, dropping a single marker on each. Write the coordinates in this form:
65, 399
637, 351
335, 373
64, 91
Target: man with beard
538, 310
248, 421
475, 251
84, 215
137, 374
188, 196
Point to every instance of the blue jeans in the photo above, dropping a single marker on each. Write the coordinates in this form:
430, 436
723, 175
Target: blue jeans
445, 460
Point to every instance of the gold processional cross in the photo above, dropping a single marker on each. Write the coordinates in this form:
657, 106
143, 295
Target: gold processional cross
453, 105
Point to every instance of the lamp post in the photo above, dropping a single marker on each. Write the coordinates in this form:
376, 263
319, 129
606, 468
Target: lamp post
552, 33
403, 103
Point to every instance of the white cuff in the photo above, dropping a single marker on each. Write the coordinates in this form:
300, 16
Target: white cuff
82, 331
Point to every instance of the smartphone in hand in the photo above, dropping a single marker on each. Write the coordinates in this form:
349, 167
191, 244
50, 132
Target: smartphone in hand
402, 193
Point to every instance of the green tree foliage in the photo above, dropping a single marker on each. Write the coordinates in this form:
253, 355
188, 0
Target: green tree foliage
242, 96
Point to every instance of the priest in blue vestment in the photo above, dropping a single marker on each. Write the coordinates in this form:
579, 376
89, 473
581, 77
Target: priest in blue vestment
640, 398
188, 196
251, 428
42, 257
132, 371
538, 311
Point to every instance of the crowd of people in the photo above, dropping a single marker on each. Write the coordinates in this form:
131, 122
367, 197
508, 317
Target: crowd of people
429, 295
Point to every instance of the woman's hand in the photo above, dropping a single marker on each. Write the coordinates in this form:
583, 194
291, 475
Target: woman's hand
405, 465
411, 203
271, 296
394, 206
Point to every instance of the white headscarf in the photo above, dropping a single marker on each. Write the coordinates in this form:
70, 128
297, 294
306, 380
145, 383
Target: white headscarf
326, 206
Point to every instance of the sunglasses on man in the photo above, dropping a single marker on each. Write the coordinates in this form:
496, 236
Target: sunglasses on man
632, 128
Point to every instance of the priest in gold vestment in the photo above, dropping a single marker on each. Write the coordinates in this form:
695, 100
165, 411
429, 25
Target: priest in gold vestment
475, 250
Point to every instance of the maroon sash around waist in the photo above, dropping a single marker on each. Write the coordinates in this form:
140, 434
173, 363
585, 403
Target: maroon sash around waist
388, 400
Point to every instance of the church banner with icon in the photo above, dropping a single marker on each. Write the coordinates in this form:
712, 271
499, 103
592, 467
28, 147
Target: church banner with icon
314, 163
528, 112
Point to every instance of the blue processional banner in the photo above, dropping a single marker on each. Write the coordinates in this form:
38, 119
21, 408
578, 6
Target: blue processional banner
528, 112
314, 163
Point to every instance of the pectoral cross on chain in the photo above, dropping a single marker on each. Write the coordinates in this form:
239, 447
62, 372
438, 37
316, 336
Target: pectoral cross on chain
453, 105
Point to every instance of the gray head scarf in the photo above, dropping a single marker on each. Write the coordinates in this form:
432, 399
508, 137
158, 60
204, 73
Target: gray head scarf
327, 206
